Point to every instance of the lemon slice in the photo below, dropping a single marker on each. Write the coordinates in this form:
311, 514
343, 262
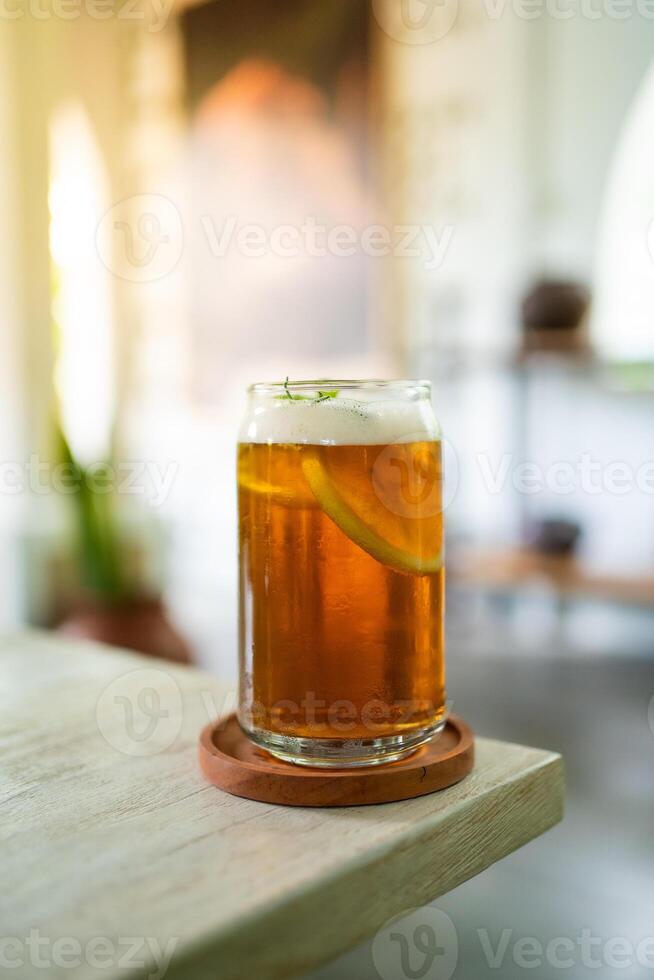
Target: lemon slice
360, 531
279, 495
274, 479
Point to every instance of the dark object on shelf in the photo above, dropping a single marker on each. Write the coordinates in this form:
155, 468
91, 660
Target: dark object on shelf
553, 316
554, 305
555, 537
139, 624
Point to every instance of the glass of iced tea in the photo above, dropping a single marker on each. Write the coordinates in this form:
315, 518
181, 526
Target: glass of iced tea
341, 570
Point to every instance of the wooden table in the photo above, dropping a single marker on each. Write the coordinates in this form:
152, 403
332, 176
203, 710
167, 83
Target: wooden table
113, 845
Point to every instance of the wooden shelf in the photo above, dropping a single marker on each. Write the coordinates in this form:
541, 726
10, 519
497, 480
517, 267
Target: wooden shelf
513, 569
111, 844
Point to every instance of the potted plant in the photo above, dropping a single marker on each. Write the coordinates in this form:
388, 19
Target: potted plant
112, 606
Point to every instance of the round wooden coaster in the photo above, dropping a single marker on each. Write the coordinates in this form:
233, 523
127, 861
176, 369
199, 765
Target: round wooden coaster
231, 761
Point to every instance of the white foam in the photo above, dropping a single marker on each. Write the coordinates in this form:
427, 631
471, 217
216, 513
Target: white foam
340, 422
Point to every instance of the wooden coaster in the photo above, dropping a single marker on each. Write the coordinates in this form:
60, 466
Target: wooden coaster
231, 761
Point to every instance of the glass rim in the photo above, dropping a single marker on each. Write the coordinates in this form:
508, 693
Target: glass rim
339, 384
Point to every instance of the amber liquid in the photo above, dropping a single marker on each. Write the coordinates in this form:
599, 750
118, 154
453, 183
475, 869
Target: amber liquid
335, 642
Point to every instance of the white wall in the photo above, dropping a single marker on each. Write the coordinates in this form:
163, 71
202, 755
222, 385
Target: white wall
455, 135
513, 125
583, 76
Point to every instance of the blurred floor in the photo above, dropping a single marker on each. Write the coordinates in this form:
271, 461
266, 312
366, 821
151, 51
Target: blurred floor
593, 872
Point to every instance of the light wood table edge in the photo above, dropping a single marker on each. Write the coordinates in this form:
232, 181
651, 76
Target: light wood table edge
283, 942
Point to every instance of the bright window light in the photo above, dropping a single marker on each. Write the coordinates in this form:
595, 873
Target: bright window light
623, 320
84, 375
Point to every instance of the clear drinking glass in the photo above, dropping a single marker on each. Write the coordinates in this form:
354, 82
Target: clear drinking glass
341, 570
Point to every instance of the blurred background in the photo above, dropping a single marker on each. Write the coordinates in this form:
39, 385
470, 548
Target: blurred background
197, 196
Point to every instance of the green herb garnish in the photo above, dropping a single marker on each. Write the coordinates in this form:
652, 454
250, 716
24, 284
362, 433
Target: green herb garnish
287, 391
322, 396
